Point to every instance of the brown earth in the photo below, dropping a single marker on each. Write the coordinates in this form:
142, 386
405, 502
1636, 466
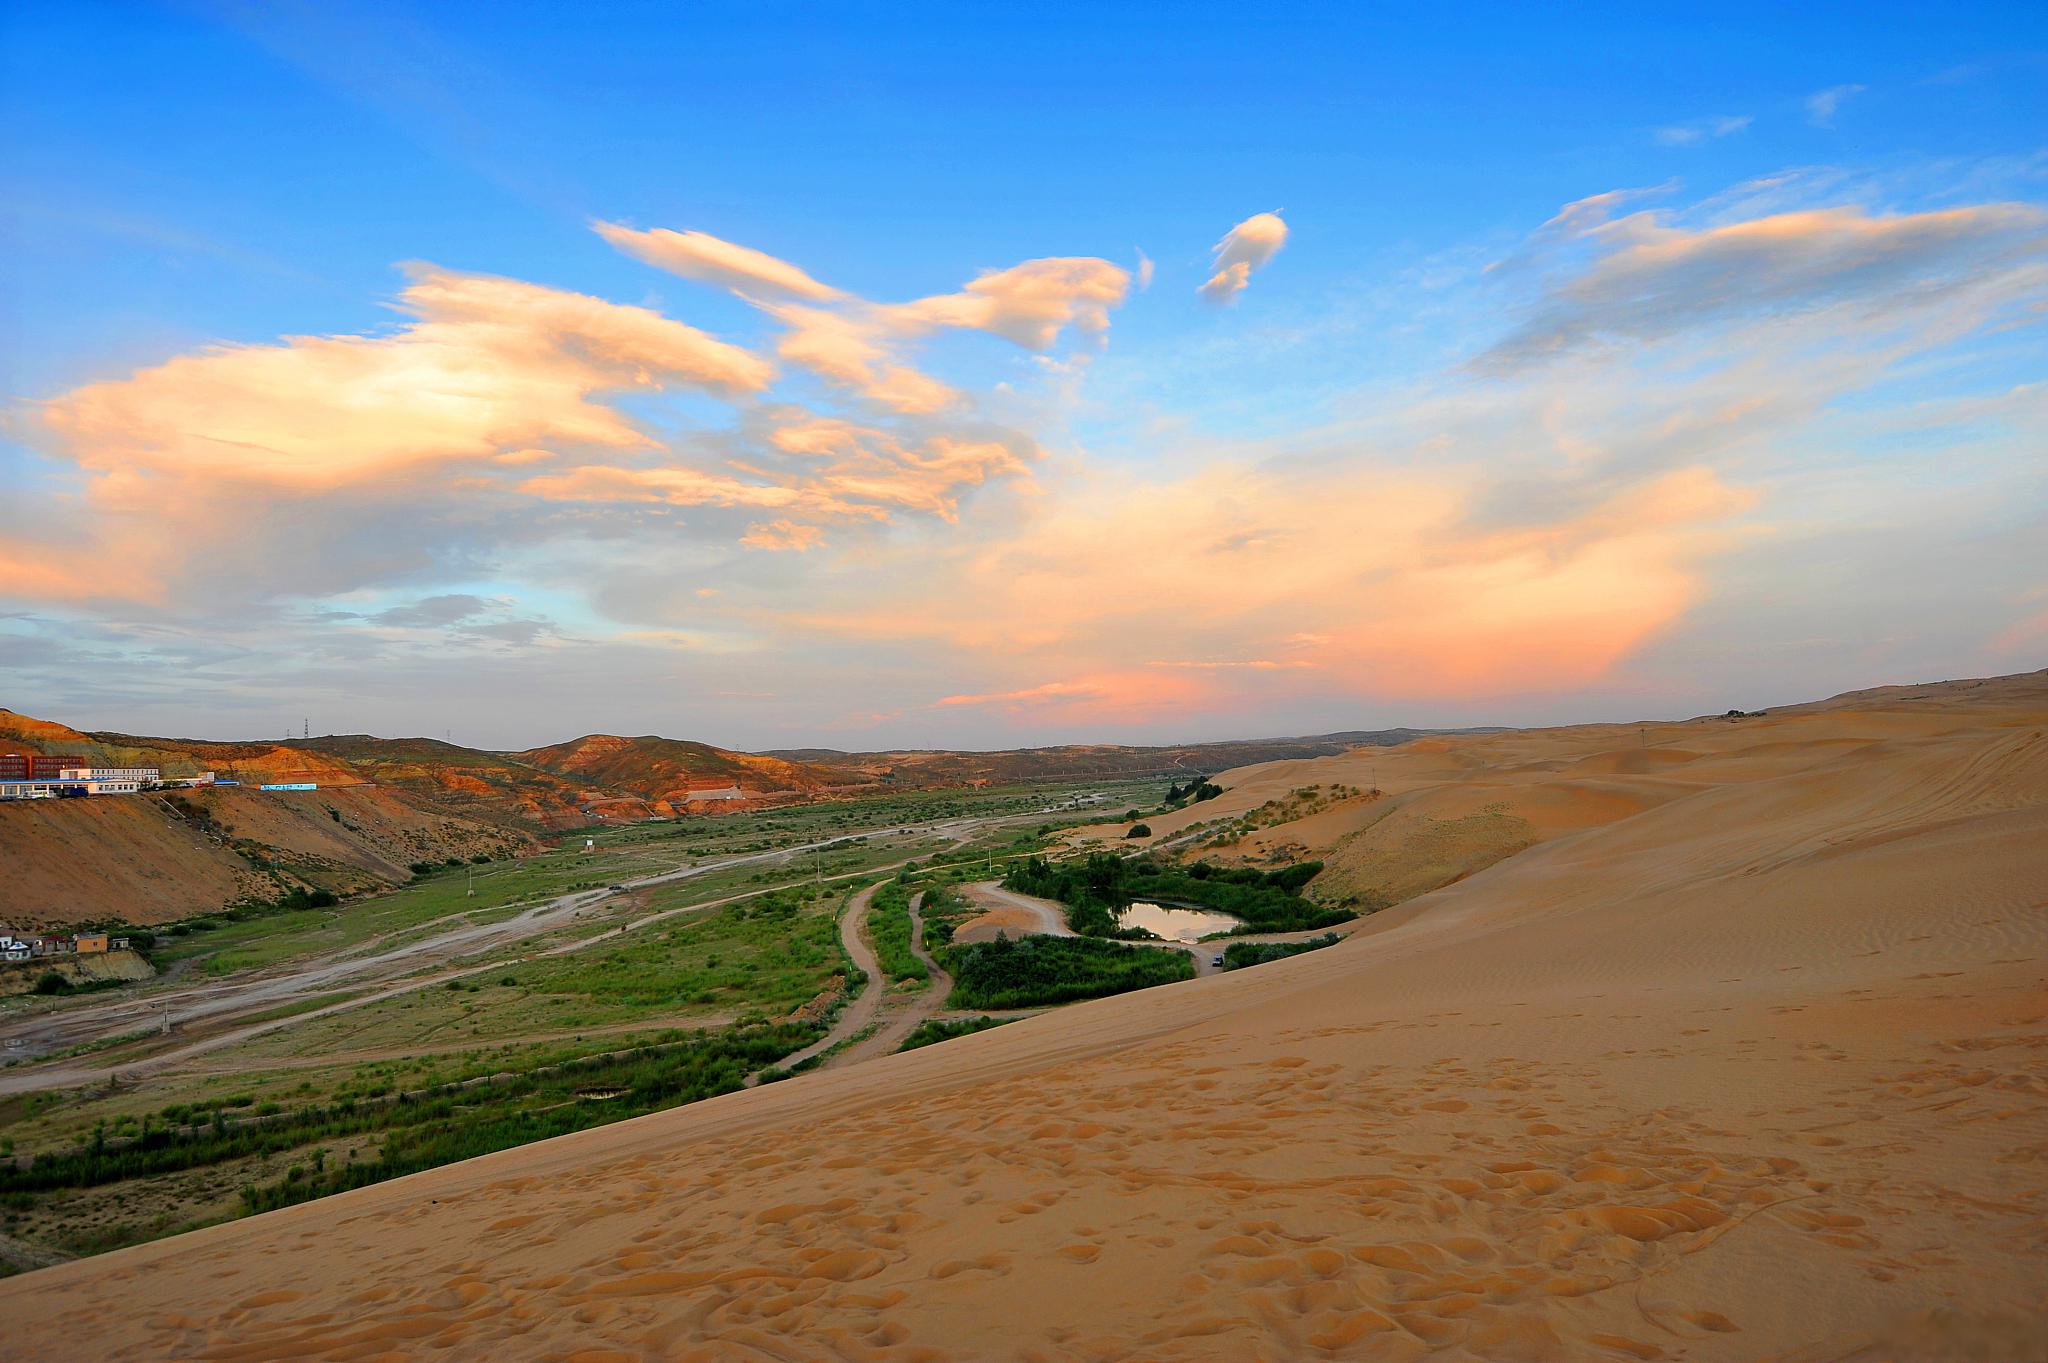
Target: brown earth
1759, 1071
155, 858
663, 771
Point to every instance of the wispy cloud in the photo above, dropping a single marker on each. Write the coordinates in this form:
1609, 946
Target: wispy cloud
860, 345
1702, 130
1821, 105
1651, 278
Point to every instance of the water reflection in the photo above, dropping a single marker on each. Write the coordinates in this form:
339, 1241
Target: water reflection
1176, 925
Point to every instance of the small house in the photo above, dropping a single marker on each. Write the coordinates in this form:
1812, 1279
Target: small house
89, 943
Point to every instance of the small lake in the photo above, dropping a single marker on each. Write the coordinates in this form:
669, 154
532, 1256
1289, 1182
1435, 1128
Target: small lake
1176, 925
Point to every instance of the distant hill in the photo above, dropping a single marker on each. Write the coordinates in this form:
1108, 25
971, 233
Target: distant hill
151, 858
664, 771
497, 787
922, 767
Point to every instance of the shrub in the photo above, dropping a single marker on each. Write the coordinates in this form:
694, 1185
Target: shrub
1238, 955
50, 982
1039, 971
1140, 830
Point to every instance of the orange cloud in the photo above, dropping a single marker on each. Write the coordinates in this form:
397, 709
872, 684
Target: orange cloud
1380, 582
783, 534
859, 473
856, 352
857, 344
1244, 248
710, 260
491, 366
1029, 304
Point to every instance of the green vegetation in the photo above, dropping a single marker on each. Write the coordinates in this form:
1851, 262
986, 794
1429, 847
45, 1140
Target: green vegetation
1038, 971
889, 925
1194, 792
944, 909
1238, 955
1140, 830
1097, 887
934, 1030
417, 1130
767, 956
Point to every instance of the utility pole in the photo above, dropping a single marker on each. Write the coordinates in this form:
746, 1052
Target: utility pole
472, 880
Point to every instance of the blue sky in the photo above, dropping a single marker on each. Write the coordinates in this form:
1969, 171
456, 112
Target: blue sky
183, 177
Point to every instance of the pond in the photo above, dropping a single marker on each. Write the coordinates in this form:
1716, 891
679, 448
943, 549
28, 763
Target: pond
1176, 925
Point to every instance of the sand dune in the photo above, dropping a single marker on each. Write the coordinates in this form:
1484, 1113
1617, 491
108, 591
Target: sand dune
1743, 1056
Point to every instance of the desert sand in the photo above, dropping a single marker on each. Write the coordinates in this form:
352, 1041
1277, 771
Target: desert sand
1730, 1043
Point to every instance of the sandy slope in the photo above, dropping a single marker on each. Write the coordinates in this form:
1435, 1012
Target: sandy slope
1756, 1071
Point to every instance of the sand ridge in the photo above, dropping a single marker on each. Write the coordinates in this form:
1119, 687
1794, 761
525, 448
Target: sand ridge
1755, 1069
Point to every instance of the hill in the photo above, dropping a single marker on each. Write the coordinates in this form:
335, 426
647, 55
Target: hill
488, 786
940, 767
664, 771
1743, 1055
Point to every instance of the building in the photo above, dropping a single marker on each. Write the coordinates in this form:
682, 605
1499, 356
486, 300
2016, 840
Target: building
89, 943
28, 790
109, 780
15, 948
36, 766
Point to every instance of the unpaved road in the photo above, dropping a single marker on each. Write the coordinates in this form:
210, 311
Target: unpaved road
1008, 911
257, 991
861, 1011
901, 1012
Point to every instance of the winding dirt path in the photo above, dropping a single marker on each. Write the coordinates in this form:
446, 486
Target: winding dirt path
901, 1011
862, 1009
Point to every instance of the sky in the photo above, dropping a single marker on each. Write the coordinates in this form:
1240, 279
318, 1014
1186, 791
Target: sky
876, 376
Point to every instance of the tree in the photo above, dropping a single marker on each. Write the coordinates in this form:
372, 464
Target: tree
1139, 830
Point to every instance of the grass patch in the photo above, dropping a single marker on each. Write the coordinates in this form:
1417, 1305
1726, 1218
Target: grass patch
889, 926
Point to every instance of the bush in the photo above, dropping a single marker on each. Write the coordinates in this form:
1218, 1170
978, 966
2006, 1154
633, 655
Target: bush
1239, 955
50, 982
1140, 830
1039, 971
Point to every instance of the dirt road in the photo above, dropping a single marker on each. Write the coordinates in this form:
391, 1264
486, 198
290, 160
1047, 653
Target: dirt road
862, 1009
402, 968
901, 1012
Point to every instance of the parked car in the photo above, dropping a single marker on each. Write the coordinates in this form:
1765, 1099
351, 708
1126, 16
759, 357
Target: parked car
1215, 960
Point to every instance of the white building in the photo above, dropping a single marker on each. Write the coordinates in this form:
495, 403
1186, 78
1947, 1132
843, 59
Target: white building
28, 790
109, 780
